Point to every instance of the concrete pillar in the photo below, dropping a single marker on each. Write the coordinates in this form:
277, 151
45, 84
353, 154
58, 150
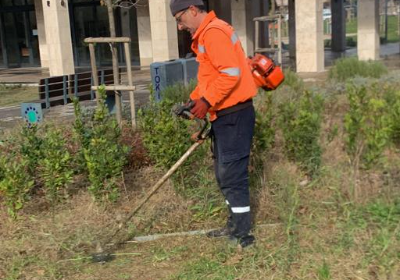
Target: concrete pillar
144, 34
368, 30
338, 26
309, 36
164, 32
44, 57
242, 21
292, 28
58, 37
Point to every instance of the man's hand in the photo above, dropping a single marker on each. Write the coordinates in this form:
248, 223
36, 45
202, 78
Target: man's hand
200, 108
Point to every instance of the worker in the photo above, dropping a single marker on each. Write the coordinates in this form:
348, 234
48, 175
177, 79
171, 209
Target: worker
225, 90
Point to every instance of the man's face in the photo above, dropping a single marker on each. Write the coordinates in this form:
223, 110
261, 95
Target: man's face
186, 20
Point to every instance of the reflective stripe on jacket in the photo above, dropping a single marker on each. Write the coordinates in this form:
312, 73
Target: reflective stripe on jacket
224, 77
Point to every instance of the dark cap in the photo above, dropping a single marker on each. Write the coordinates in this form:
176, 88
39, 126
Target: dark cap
180, 5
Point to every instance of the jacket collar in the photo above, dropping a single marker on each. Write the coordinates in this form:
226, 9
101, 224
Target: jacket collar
210, 17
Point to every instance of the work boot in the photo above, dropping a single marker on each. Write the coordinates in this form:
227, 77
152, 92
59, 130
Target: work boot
246, 241
219, 232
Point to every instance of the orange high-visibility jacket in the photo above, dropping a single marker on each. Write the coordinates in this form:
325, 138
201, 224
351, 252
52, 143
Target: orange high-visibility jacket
224, 77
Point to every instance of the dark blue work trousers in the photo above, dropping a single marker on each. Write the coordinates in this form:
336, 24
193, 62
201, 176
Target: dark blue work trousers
232, 136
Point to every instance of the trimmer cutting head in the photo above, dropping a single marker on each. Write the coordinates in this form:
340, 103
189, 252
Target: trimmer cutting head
102, 257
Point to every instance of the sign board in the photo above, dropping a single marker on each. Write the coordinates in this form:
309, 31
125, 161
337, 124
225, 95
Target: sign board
32, 113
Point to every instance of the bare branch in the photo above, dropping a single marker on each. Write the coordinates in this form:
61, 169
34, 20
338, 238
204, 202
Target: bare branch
128, 4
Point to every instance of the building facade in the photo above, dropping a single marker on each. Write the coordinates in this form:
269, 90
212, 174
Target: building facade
50, 33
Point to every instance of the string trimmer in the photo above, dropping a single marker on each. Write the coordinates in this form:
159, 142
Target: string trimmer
104, 251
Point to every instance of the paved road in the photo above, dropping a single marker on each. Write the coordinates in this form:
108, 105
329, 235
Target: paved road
11, 116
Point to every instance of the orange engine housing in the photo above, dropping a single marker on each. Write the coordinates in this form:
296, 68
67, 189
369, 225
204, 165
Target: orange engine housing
266, 74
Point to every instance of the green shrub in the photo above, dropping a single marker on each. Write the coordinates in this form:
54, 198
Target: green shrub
300, 121
367, 124
345, 68
56, 165
16, 182
293, 81
31, 146
264, 135
392, 97
81, 135
105, 156
166, 138
264, 132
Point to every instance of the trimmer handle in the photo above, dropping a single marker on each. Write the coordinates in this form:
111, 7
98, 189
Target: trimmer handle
184, 110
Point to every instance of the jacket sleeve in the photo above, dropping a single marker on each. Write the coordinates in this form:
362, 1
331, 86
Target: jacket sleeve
220, 50
195, 94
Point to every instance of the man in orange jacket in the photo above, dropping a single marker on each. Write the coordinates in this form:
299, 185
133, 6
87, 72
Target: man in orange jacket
225, 90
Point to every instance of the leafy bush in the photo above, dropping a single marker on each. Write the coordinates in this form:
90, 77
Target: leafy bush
345, 68
392, 98
300, 122
367, 123
31, 146
167, 137
264, 132
293, 81
16, 183
56, 165
264, 135
82, 136
105, 156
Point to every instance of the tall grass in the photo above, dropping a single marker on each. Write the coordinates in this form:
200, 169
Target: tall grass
345, 68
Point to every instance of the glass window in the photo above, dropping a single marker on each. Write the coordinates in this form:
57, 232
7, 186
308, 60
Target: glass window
34, 38
103, 30
84, 24
19, 2
134, 37
6, 3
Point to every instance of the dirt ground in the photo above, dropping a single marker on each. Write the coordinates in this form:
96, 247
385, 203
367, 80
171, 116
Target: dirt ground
304, 229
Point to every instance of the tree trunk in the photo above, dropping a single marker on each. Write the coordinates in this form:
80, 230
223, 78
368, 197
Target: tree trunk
114, 52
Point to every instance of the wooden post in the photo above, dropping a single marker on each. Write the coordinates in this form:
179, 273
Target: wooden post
118, 103
130, 83
257, 34
280, 40
95, 77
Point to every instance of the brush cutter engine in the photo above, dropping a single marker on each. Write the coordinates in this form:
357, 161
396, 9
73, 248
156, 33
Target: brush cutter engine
266, 73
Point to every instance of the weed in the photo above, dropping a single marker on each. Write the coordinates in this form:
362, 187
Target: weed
286, 188
367, 125
264, 137
16, 183
346, 68
394, 112
324, 272
293, 81
301, 125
